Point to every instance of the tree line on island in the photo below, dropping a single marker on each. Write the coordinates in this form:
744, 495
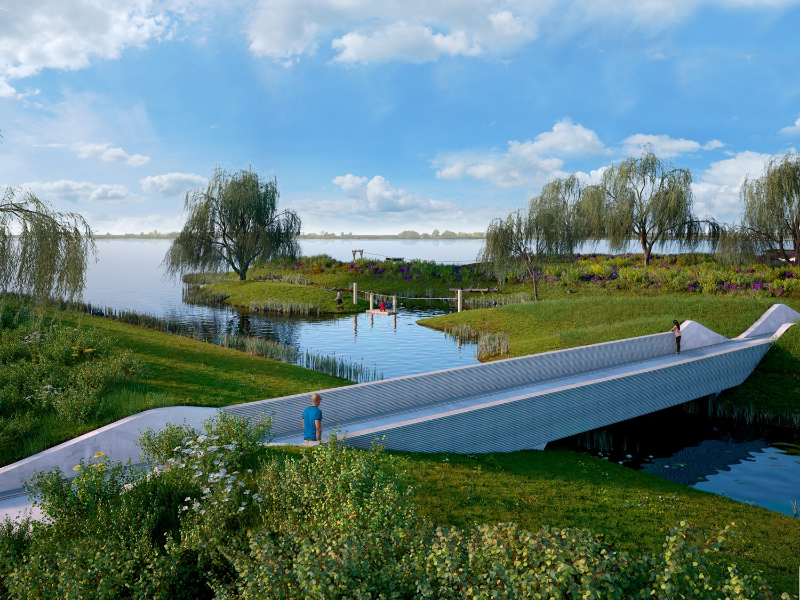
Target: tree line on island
236, 222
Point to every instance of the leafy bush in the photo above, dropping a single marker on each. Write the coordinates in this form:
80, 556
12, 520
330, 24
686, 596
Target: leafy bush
55, 369
221, 515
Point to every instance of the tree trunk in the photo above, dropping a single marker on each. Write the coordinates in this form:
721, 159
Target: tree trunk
535, 289
796, 241
645, 250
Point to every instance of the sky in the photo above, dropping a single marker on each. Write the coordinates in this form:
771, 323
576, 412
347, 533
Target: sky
381, 116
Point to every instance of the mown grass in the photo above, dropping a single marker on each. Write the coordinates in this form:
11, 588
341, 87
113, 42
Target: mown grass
242, 293
562, 488
177, 371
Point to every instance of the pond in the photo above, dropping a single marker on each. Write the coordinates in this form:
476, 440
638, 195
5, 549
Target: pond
746, 463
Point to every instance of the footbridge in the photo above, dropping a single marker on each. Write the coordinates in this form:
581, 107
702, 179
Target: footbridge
523, 403
513, 404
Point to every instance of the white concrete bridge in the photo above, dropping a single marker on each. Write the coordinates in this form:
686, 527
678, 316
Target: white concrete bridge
507, 405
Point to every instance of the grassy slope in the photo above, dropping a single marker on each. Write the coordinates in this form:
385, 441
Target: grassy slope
241, 293
570, 322
566, 489
177, 371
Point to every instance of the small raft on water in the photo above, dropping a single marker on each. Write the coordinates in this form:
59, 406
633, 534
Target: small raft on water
377, 311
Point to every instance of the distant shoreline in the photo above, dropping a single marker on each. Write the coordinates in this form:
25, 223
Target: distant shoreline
311, 236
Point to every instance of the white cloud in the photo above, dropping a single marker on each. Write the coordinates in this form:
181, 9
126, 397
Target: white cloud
664, 145
364, 31
67, 34
530, 163
791, 129
109, 153
79, 192
717, 189
415, 30
171, 184
378, 195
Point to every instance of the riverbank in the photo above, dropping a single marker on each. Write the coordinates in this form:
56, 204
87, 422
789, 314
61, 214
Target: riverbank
175, 371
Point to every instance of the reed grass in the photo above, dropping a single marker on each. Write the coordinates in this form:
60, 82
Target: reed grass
489, 344
339, 367
285, 307
259, 347
205, 278
491, 300
199, 294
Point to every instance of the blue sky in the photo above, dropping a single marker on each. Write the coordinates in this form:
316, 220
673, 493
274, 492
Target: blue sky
382, 116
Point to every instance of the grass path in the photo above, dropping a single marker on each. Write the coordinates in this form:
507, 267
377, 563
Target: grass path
561, 488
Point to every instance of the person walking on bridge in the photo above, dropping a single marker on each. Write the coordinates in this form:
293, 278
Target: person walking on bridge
312, 422
676, 329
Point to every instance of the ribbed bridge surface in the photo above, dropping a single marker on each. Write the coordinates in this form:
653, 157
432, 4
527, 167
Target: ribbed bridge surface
529, 401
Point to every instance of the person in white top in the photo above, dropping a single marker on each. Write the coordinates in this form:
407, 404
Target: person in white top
676, 329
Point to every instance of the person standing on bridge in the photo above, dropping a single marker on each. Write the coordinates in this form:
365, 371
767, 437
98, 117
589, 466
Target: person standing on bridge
312, 422
676, 329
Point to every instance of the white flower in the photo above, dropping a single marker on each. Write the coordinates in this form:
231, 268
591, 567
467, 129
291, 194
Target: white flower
249, 470
247, 491
213, 448
198, 473
241, 508
185, 508
201, 439
187, 498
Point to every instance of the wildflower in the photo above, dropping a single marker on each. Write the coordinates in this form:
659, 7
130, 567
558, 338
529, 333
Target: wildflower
247, 492
201, 439
198, 473
213, 448
76, 468
185, 508
187, 498
241, 508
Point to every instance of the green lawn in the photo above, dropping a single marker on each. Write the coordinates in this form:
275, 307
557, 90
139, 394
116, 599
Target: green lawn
177, 371
561, 488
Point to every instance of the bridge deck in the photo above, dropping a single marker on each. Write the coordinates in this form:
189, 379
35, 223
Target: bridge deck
383, 423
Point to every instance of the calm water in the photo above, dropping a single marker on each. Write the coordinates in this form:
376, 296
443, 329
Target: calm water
727, 458
127, 276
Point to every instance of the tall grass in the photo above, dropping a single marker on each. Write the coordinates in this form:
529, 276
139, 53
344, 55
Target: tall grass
486, 301
316, 361
489, 344
204, 278
198, 294
259, 347
339, 367
286, 307
296, 279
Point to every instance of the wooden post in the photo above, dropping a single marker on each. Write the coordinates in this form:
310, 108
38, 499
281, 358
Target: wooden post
394, 304
355, 293
371, 300
460, 300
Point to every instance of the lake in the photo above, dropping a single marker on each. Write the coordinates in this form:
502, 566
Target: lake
732, 459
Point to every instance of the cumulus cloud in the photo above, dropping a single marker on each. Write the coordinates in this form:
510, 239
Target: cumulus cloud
664, 145
378, 195
67, 34
416, 30
530, 163
79, 192
791, 129
717, 189
109, 153
364, 31
172, 184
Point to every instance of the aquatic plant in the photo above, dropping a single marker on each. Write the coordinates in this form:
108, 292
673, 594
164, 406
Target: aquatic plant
199, 294
339, 367
285, 307
259, 347
489, 344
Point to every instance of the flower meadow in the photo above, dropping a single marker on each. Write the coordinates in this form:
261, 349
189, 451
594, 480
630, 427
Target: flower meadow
669, 273
220, 514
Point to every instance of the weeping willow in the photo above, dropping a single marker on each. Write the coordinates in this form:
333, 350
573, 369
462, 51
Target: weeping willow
43, 253
231, 224
552, 225
771, 221
649, 200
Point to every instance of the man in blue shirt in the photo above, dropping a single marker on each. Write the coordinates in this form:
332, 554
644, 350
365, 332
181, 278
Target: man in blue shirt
312, 422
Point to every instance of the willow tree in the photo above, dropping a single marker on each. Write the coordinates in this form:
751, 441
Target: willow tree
231, 224
551, 225
43, 252
772, 208
650, 200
